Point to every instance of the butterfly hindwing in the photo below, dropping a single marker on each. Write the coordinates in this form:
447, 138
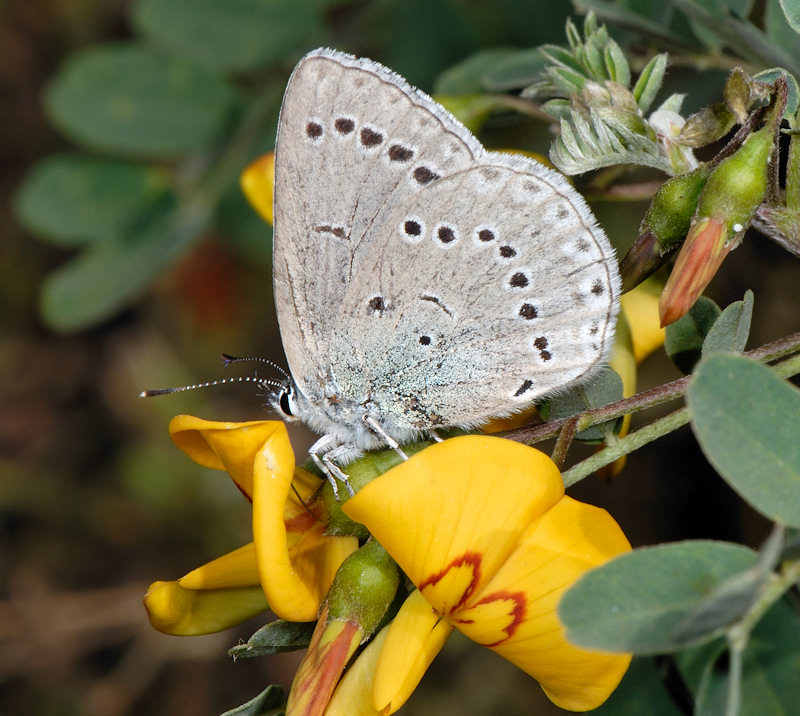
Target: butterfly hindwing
487, 289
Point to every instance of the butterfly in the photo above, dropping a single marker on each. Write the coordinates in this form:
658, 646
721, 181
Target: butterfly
421, 282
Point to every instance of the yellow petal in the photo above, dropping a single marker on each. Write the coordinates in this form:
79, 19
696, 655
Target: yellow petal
258, 184
641, 309
235, 569
173, 609
414, 638
296, 560
353, 695
518, 420
450, 515
623, 363
515, 615
331, 647
231, 446
622, 359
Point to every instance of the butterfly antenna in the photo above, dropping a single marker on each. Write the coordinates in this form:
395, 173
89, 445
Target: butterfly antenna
228, 359
222, 381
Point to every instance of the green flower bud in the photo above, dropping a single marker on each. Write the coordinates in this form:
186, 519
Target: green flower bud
664, 225
739, 183
738, 94
708, 125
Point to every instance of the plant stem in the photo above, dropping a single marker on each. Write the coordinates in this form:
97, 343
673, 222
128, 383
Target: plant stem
623, 446
565, 437
737, 641
647, 398
566, 428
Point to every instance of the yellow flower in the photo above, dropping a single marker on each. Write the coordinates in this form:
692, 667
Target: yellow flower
292, 561
640, 307
483, 529
258, 184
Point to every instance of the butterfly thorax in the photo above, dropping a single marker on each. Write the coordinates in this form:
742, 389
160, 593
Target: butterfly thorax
330, 411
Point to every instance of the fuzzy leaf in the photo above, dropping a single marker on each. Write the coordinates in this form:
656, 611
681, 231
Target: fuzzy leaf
649, 82
747, 421
635, 601
732, 328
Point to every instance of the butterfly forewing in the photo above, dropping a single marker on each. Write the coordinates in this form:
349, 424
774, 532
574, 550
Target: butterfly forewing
354, 140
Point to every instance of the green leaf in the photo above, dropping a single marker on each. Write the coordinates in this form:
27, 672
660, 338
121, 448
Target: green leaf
514, 72
472, 110
793, 98
770, 668
649, 82
695, 662
566, 80
637, 19
108, 277
730, 331
72, 199
791, 9
747, 421
641, 691
684, 339
234, 35
130, 100
634, 602
275, 638
466, 77
560, 57
604, 388
269, 702
727, 603
778, 29
243, 228
617, 65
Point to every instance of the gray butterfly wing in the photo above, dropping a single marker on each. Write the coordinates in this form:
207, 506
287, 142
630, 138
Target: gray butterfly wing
354, 139
488, 289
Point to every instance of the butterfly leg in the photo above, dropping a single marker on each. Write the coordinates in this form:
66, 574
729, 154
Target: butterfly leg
323, 453
435, 436
374, 425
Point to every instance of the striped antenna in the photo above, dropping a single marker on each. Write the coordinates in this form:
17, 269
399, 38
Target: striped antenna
222, 381
228, 359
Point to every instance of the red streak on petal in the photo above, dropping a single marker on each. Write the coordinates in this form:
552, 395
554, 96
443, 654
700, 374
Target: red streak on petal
517, 613
304, 522
471, 559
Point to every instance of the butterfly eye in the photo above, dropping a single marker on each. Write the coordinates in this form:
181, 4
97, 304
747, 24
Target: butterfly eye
285, 401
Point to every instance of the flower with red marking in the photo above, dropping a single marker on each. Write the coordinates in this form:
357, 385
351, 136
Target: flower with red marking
292, 561
483, 529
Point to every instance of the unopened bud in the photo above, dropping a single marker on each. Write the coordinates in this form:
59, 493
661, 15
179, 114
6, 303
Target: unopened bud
708, 125
664, 226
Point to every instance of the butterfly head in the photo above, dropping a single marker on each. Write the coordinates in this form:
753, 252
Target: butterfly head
285, 400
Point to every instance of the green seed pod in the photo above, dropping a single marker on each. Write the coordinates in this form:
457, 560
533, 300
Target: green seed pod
364, 587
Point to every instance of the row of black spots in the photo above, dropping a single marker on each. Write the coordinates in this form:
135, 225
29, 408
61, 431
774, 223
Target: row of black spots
446, 234
487, 236
541, 344
372, 137
414, 229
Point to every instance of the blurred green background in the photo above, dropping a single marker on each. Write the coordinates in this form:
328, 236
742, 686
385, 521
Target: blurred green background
141, 274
